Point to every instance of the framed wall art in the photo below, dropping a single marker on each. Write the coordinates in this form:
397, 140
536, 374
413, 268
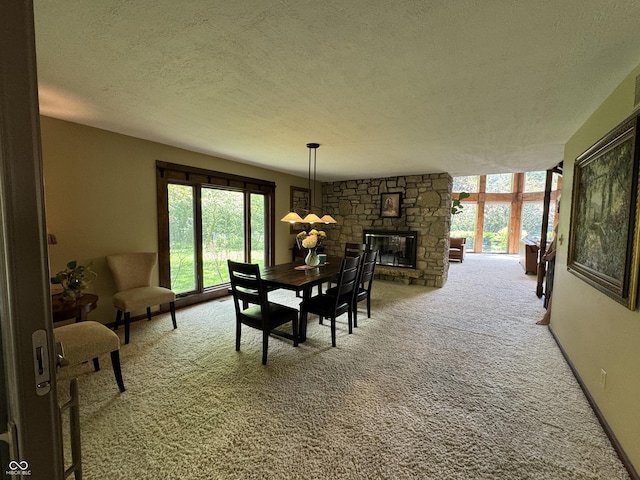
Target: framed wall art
603, 232
390, 204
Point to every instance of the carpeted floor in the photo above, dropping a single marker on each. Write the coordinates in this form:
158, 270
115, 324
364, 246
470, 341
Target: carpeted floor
450, 383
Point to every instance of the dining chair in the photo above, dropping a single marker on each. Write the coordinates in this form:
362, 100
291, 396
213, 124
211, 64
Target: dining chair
351, 249
354, 249
84, 341
253, 307
365, 282
340, 300
132, 275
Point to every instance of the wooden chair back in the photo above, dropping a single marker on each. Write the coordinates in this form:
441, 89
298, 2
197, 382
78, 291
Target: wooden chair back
246, 286
353, 249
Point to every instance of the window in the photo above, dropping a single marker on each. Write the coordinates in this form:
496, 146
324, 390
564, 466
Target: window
531, 220
495, 237
464, 223
501, 183
182, 240
205, 218
466, 184
502, 209
536, 181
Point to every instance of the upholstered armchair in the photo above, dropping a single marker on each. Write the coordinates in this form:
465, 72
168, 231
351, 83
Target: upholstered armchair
132, 275
456, 248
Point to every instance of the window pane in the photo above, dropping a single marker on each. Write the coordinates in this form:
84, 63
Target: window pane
501, 183
531, 220
496, 227
463, 224
467, 184
552, 215
222, 233
535, 181
258, 229
181, 238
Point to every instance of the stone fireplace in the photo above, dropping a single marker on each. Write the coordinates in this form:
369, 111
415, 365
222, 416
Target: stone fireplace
425, 209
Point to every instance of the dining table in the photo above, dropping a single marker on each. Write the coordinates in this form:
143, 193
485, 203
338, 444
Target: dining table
300, 278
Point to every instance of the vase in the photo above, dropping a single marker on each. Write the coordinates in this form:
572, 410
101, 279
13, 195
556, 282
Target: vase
71, 295
312, 258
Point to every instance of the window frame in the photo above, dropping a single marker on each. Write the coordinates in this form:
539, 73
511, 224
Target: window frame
517, 197
171, 173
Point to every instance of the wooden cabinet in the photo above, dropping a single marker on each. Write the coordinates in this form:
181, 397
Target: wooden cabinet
529, 255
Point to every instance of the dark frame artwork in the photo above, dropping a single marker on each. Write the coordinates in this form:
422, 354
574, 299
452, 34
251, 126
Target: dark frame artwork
603, 233
299, 202
390, 205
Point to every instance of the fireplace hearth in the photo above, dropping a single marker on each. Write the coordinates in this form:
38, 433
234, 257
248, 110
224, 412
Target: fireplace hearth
396, 249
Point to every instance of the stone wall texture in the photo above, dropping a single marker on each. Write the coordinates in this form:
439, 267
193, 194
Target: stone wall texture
426, 208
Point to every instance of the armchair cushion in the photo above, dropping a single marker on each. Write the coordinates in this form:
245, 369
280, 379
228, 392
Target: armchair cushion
142, 297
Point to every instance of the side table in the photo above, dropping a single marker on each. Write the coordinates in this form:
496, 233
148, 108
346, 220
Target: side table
78, 309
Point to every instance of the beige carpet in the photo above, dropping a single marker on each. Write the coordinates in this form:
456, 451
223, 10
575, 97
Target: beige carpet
451, 383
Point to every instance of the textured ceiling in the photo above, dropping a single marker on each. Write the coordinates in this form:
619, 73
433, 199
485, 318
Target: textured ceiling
386, 88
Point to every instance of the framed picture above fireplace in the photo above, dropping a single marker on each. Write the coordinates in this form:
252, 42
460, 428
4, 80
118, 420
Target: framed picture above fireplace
390, 204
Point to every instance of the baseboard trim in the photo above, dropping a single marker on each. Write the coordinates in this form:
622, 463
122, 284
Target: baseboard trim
594, 406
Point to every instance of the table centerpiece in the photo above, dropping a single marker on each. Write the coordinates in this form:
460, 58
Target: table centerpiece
311, 240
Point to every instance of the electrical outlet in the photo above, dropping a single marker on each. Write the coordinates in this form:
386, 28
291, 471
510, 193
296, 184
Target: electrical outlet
603, 378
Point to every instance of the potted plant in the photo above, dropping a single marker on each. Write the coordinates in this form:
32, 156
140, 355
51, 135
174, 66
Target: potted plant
74, 280
457, 206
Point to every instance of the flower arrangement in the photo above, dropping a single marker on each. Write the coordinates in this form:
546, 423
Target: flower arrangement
74, 280
312, 239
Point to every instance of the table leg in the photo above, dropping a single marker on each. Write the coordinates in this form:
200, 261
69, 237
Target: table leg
84, 311
302, 330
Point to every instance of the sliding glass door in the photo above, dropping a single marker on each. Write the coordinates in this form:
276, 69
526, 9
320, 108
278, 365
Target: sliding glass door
223, 233
203, 224
182, 238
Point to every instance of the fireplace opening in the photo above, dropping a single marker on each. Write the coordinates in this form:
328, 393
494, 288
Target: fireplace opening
396, 249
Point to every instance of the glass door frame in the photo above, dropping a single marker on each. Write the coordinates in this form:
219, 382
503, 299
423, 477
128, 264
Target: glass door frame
167, 173
30, 426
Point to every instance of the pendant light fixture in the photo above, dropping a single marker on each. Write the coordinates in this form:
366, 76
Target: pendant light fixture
310, 218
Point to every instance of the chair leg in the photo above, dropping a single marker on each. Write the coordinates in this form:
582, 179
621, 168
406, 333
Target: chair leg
127, 321
238, 330
355, 315
320, 319
115, 362
350, 321
172, 307
148, 313
265, 345
368, 306
96, 364
333, 331
118, 319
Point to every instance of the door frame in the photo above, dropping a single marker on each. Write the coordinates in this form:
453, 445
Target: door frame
30, 431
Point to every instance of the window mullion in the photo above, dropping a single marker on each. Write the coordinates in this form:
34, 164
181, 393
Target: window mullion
198, 238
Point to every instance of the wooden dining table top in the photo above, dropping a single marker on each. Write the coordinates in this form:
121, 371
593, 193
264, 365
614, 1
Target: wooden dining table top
286, 275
